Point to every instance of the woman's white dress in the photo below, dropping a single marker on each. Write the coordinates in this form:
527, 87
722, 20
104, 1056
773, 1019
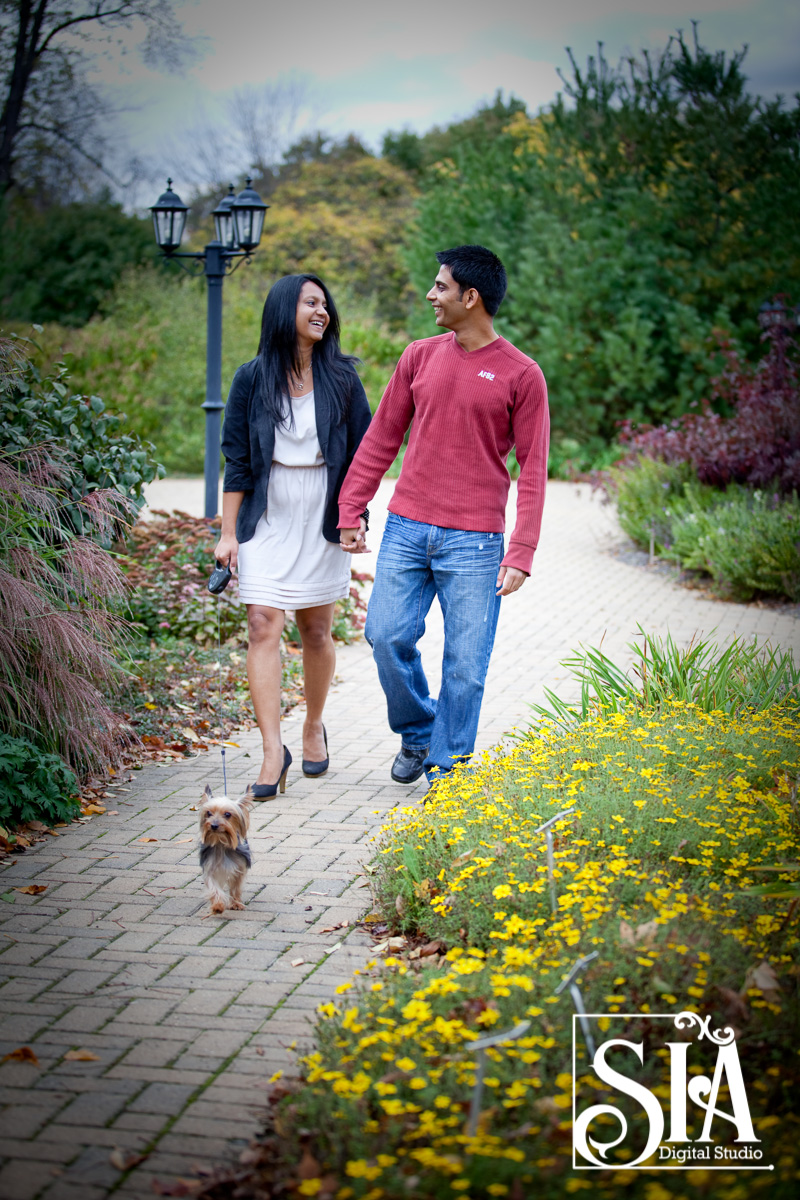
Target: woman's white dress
287, 563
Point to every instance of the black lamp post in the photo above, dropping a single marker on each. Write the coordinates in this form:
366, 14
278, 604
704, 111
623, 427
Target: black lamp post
238, 222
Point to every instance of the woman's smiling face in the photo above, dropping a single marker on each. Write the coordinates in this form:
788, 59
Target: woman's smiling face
312, 315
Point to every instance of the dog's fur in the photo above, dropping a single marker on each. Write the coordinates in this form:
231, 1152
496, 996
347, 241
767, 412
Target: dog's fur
224, 853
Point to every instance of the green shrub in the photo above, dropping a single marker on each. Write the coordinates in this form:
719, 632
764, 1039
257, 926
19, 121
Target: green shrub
38, 407
645, 496
570, 459
58, 263
34, 785
748, 542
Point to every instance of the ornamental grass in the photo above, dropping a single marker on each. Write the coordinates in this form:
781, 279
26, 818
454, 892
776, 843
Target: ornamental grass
680, 816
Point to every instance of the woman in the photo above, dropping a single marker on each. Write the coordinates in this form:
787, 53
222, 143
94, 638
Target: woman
294, 418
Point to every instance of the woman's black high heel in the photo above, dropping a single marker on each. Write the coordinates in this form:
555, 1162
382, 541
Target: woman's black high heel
315, 769
266, 791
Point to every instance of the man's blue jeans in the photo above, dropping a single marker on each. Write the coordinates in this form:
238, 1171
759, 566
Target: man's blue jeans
417, 562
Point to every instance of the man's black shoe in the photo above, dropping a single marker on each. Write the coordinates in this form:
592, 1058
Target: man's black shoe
409, 764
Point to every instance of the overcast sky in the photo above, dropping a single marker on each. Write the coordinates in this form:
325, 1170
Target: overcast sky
369, 66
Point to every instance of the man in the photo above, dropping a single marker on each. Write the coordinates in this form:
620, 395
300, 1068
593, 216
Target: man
469, 396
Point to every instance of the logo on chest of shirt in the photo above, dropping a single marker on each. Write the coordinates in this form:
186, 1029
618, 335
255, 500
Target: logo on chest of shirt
485, 375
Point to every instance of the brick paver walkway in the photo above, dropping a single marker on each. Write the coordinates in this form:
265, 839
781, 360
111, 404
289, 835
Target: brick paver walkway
187, 1018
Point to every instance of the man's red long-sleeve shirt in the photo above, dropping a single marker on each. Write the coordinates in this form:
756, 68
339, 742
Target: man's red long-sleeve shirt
468, 410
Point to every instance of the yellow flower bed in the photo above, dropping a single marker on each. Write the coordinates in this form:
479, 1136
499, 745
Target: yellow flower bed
674, 815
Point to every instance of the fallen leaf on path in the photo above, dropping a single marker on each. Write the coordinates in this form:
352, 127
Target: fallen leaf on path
642, 933
298, 962
8, 897
392, 943
123, 1160
148, 839
330, 949
309, 1168
190, 734
182, 841
316, 893
81, 1056
33, 889
764, 978
93, 808
22, 1054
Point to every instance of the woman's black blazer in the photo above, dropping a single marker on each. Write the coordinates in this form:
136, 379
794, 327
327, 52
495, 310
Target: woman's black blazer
248, 440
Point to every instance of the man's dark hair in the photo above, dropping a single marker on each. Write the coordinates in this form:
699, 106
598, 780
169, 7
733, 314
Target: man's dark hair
476, 267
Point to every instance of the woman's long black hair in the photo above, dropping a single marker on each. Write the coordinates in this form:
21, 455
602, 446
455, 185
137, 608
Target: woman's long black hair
279, 356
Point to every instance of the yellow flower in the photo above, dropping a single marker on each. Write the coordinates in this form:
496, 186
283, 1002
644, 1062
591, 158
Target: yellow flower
417, 1010
309, 1187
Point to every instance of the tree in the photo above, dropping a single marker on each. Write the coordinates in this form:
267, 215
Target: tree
724, 165
416, 152
52, 121
58, 265
653, 203
259, 126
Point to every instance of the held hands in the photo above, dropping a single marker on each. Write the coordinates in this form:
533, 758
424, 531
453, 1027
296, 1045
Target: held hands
354, 540
509, 579
226, 551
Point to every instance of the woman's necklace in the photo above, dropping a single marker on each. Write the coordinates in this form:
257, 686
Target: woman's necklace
300, 385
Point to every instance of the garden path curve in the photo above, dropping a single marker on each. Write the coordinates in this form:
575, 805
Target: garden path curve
185, 1018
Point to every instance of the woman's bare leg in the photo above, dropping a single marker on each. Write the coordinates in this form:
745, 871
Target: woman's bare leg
264, 630
319, 664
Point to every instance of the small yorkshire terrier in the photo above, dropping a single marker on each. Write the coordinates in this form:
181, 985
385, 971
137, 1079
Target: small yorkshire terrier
224, 853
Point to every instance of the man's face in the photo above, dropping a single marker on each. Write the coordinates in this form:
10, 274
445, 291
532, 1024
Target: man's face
445, 296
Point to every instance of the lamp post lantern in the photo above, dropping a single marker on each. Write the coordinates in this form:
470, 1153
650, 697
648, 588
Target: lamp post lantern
238, 222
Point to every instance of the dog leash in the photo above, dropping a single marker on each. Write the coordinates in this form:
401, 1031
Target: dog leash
220, 578
219, 679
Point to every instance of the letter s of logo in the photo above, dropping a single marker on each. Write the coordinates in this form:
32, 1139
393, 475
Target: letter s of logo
629, 1088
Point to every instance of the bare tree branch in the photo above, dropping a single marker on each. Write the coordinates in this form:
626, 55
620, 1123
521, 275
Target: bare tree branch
43, 69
